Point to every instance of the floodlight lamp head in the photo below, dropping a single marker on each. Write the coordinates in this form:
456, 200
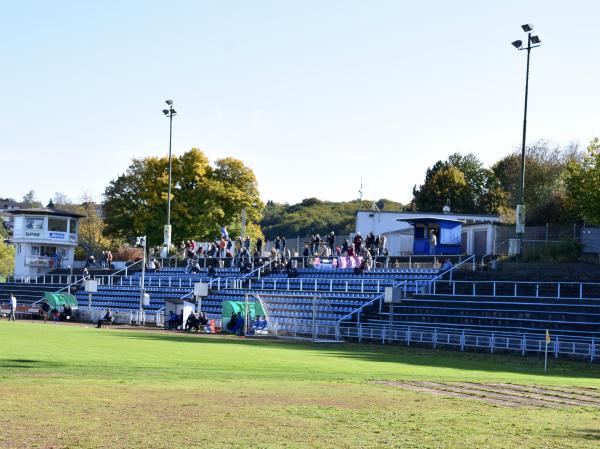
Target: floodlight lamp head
173, 112
535, 40
527, 27
517, 44
166, 112
169, 102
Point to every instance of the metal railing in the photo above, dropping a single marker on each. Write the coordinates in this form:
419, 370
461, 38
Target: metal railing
93, 314
379, 298
126, 270
322, 284
567, 346
516, 289
67, 287
430, 283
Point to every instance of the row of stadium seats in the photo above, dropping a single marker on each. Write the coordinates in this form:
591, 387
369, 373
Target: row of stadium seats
568, 317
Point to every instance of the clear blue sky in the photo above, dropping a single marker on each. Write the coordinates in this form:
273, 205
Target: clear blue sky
311, 94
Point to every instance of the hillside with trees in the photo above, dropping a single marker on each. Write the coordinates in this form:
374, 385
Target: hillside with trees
312, 216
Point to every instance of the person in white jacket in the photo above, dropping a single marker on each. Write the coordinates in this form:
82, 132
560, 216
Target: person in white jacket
13, 307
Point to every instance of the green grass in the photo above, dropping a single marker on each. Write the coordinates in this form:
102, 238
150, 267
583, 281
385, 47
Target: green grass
79, 387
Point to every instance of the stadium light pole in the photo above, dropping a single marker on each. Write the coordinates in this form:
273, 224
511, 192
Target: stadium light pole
532, 42
170, 113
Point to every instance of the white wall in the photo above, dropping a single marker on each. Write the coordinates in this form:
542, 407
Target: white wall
399, 243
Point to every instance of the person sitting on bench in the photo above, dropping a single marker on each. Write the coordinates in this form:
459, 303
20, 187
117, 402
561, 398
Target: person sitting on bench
108, 317
261, 327
192, 322
202, 318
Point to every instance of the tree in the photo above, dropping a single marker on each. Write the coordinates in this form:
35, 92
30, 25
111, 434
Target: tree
463, 182
30, 200
91, 227
7, 259
313, 216
203, 198
545, 165
582, 181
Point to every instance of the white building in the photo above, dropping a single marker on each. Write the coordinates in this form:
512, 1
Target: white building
477, 232
45, 239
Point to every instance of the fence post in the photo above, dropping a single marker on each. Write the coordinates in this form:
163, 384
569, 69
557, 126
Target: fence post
537, 290
492, 342
523, 345
581, 290
558, 291
408, 336
592, 349
474, 291
556, 348
462, 340
434, 338
453, 288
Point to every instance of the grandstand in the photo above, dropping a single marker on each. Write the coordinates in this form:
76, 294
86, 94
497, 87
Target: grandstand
341, 304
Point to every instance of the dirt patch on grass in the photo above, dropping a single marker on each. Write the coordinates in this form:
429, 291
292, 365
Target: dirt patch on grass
507, 395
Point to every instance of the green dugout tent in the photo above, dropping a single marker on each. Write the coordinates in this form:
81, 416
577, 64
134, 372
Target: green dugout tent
59, 300
229, 307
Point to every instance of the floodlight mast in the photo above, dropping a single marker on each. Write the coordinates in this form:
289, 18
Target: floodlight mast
167, 231
520, 212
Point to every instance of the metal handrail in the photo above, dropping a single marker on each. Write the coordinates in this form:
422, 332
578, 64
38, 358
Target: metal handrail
60, 290
377, 298
580, 286
110, 276
217, 280
431, 282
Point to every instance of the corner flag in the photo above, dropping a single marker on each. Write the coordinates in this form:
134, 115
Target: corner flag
547, 336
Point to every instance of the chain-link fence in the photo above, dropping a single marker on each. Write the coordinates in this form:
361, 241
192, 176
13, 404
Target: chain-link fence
536, 236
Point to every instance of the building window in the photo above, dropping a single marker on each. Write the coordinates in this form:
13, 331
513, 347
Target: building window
34, 223
57, 224
35, 250
73, 227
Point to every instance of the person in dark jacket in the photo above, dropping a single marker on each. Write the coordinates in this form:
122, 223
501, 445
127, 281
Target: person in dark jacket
108, 317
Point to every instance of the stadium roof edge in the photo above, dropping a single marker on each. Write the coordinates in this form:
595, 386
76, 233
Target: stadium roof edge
45, 211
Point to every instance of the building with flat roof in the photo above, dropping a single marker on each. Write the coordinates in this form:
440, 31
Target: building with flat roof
45, 239
476, 234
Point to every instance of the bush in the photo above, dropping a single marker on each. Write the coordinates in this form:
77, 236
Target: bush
559, 252
127, 253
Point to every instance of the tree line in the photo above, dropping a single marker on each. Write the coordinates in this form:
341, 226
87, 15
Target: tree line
562, 185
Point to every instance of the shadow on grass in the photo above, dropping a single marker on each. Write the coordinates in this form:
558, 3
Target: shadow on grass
586, 434
27, 364
418, 356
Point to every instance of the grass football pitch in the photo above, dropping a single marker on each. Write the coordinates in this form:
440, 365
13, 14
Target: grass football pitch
72, 386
